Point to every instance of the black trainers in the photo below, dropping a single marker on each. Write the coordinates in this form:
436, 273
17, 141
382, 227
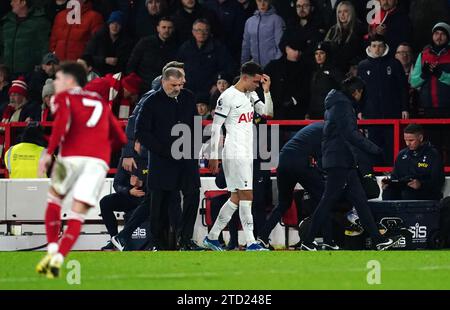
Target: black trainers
388, 243
308, 246
264, 244
108, 247
330, 246
118, 243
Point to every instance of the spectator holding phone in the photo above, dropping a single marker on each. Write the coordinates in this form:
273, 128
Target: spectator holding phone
418, 172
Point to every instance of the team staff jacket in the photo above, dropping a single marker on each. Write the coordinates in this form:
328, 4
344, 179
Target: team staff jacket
158, 116
341, 135
424, 164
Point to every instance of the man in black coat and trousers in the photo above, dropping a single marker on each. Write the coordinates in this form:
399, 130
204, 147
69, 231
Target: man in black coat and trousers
169, 106
386, 92
340, 136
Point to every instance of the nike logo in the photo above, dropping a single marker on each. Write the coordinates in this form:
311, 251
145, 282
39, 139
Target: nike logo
238, 107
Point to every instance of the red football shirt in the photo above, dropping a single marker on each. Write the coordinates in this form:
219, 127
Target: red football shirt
84, 126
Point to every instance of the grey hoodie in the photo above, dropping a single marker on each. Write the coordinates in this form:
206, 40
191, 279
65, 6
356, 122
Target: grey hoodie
262, 35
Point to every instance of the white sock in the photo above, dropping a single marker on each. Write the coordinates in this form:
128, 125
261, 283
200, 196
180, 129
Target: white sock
245, 214
57, 259
52, 248
225, 214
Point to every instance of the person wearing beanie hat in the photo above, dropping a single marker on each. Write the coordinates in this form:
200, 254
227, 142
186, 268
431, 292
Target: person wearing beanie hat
147, 18
131, 84
325, 77
110, 47
20, 109
223, 81
291, 75
444, 27
19, 87
47, 69
116, 17
123, 93
203, 107
431, 74
432, 70
47, 92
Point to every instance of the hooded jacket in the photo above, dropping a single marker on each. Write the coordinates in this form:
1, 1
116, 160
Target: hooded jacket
24, 42
324, 79
262, 35
68, 41
386, 86
341, 134
101, 46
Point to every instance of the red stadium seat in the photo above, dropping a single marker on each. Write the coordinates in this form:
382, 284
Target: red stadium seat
206, 206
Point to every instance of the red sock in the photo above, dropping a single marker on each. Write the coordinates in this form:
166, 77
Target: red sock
53, 219
70, 236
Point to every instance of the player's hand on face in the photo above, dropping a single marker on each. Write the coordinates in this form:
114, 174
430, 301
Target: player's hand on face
128, 164
214, 166
265, 80
44, 163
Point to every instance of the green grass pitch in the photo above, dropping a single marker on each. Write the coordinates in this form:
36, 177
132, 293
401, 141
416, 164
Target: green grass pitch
234, 270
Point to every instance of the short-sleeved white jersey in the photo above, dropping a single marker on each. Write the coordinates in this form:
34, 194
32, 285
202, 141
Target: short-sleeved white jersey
238, 108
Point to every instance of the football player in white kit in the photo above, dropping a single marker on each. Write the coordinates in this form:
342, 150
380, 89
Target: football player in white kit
235, 108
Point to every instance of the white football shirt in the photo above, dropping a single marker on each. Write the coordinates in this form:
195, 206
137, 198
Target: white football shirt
237, 108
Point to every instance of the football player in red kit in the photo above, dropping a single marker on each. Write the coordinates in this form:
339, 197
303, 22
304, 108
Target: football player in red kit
85, 131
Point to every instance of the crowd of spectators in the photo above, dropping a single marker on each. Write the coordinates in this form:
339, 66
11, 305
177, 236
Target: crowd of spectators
306, 46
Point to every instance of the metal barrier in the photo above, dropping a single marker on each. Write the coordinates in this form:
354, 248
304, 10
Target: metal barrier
396, 123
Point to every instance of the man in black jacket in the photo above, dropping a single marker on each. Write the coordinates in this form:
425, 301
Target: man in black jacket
169, 106
325, 77
187, 13
340, 136
290, 76
110, 47
129, 193
386, 92
204, 57
418, 172
151, 53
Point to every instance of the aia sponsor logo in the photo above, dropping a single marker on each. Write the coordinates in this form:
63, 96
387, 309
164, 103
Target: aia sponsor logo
246, 117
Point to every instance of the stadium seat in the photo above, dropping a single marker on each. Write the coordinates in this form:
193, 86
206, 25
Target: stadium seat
205, 210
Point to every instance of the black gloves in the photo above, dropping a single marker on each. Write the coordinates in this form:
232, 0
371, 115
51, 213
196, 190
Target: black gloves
426, 71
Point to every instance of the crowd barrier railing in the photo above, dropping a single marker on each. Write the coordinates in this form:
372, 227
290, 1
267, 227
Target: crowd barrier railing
396, 124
